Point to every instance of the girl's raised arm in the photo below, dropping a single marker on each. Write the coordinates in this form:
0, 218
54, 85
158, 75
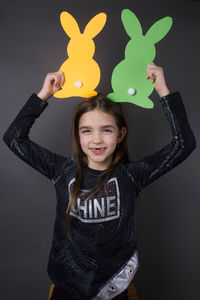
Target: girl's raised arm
17, 135
183, 141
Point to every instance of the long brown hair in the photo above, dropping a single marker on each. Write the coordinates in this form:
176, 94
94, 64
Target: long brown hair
100, 102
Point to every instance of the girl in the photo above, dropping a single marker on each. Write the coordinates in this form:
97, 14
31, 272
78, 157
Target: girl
93, 254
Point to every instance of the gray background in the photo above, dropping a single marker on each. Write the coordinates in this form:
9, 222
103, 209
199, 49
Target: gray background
34, 43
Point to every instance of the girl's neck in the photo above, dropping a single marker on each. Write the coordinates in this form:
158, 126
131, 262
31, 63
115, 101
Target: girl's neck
94, 171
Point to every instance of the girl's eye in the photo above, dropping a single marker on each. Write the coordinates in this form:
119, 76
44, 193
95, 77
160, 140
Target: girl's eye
85, 131
107, 130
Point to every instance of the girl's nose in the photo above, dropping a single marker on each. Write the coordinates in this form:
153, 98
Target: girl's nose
97, 138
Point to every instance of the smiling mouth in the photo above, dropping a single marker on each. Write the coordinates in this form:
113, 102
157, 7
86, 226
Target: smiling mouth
97, 150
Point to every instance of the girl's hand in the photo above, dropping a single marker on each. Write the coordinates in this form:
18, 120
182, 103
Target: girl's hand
52, 84
156, 74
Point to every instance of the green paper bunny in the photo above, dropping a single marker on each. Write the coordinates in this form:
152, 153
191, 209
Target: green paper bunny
129, 80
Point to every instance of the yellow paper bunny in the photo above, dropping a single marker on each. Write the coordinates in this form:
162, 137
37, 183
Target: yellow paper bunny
81, 72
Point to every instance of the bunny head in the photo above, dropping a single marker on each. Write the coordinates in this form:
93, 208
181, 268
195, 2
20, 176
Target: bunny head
81, 72
142, 46
81, 44
128, 80
84, 43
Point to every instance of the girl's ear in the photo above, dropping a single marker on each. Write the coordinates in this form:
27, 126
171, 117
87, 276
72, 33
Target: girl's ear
122, 134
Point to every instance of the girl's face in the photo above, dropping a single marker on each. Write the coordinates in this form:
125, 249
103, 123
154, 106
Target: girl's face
99, 136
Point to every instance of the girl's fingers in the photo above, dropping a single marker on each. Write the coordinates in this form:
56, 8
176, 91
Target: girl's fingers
156, 75
56, 79
59, 79
62, 77
52, 78
149, 70
153, 72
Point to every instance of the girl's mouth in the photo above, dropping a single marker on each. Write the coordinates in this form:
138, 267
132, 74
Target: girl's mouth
98, 150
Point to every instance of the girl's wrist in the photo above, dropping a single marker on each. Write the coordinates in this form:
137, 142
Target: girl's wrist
43, 96
164, 92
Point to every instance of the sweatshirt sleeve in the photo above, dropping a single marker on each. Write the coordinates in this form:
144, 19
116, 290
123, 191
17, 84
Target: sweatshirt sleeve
182, 144
17, 139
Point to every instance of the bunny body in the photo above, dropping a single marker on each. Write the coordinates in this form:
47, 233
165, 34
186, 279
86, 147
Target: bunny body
129, 80
81, 71
75, 72
134, 75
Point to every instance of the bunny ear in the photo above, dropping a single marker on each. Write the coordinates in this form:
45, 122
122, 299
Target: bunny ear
95, 25
131, 23
69, 24
159, 30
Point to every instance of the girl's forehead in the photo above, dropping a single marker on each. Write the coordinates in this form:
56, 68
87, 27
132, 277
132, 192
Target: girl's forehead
96, 116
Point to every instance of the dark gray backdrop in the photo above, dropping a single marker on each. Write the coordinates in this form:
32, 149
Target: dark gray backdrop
34, 43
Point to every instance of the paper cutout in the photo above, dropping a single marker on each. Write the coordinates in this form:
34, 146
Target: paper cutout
129, 81
81, 72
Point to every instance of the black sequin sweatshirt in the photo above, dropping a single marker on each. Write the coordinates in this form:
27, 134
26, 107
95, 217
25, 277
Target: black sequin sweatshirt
102, 227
